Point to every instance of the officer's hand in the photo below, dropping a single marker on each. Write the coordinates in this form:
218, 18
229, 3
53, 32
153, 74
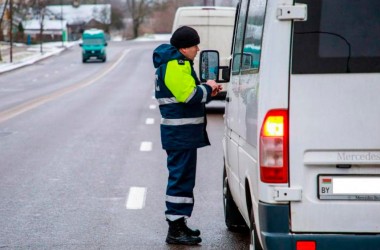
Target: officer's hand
217, 90
215, 87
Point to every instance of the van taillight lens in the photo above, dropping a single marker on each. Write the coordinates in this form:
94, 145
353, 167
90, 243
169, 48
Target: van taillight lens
274, 147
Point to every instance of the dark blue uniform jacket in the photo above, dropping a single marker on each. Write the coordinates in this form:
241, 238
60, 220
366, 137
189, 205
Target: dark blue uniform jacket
181, 100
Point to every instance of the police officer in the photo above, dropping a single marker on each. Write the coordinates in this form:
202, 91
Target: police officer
182, 101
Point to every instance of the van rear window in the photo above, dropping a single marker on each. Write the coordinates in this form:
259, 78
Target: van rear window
340, 36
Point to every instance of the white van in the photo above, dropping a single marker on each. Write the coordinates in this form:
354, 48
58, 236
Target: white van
214, 25
302, 124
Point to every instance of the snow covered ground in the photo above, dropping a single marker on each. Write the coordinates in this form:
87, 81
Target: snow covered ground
30, 55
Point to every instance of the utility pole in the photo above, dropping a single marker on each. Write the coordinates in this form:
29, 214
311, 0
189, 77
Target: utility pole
10, 31
2, 18
62, 23
41, 8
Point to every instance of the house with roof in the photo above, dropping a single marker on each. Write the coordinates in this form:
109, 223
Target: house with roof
65, 22
84, 16
53, 30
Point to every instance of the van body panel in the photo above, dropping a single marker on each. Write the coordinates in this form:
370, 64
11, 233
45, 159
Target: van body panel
334, 134
273, 85
325, 73
245, 109
232, 121
231, 118
274, 221
341, 128
248, 108
248, 171
232, 161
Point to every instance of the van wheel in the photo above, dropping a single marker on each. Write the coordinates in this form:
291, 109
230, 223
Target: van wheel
233, 218
255, 242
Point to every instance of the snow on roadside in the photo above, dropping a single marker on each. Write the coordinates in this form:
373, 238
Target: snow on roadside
154, 37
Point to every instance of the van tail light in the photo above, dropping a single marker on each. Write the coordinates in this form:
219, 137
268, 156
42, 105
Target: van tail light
274, 147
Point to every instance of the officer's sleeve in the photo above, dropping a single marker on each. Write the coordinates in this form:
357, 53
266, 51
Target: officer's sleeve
180, 82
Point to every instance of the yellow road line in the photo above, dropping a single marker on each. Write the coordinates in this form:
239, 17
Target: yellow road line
22, 108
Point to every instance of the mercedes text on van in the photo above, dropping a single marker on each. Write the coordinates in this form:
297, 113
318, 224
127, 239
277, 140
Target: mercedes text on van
302, 124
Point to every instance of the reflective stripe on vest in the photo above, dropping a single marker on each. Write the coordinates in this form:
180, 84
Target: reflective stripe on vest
164, 101
204, 99
191, 95
175, 217
175, 199
183, 121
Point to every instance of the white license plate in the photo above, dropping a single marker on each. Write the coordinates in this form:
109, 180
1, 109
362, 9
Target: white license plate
351, 187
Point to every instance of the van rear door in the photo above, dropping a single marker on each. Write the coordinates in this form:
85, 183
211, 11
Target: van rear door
334, 118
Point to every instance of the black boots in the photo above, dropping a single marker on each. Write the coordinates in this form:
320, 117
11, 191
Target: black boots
179, 233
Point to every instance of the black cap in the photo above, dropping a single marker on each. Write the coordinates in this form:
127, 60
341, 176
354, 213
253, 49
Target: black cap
184, 37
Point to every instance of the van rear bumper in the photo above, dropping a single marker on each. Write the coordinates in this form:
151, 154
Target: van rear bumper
275, 233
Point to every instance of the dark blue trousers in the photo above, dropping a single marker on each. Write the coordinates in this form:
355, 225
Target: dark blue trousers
182, 166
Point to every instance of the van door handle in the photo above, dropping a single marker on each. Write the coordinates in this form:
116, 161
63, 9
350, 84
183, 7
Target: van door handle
228, 99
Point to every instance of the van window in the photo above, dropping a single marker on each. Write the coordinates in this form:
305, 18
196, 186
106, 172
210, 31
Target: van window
340, 36
239, 36
93, 41
253, 36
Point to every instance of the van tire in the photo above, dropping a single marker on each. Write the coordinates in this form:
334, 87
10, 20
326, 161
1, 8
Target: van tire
254, 240
233, 218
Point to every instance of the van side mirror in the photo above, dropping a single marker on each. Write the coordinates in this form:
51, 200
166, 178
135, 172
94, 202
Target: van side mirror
105, 44
209, 67
247, 61
81, 44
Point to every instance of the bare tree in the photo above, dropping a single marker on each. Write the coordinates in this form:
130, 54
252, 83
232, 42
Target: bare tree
163, 16
1, 20
117, 16
106, 17
139, 10
4, 5
164, 13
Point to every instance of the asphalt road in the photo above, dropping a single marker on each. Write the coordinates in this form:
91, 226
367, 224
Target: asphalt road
76, 141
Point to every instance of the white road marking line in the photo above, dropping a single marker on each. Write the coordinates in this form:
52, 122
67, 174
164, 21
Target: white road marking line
136, 198
10, 90
152, 106
149, 121
24, 107
146, 146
